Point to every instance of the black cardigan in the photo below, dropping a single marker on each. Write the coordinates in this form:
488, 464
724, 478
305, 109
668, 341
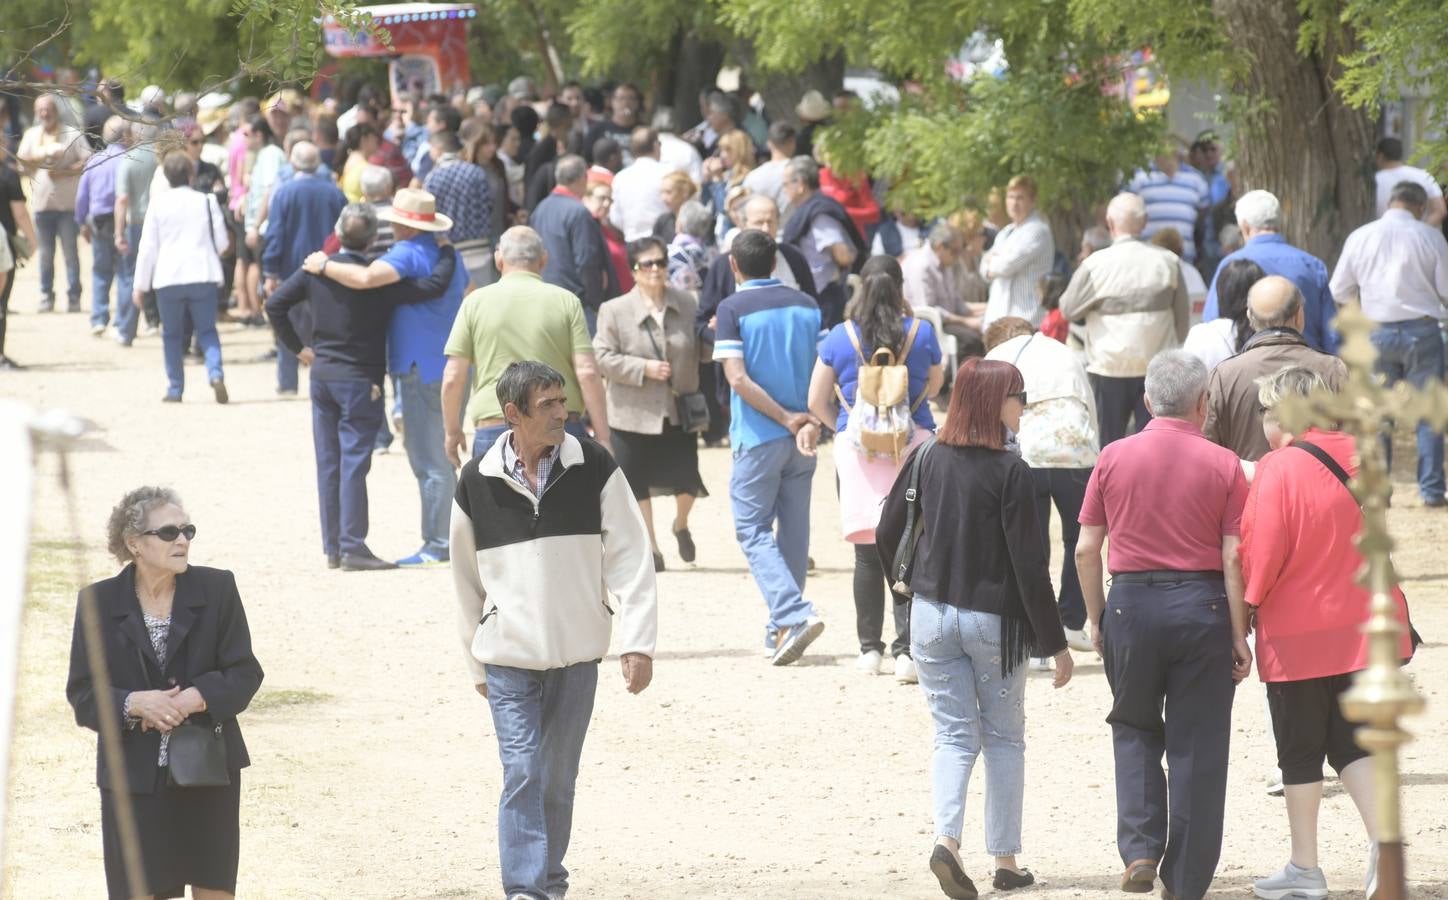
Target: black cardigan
209, 648
980, 548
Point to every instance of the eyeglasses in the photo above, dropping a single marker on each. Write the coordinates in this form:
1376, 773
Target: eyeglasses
169, 533
651, 264
1021, 396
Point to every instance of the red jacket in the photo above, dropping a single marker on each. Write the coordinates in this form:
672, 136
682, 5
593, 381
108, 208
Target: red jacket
1301, 565
854, 195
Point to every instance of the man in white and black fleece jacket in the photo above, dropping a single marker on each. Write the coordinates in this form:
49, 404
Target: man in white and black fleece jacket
544, 528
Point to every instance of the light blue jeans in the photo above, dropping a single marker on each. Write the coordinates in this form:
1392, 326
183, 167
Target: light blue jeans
178, 303
957, 654
52, 225
1412, 351
127, 316
541, 719
423, 438
770, 483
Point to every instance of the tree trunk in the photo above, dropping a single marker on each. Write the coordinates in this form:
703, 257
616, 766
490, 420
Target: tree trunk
1303, 145
692, 68
781, 91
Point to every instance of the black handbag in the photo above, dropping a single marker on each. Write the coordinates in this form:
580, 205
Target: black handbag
195, 751
691, 409
904, 564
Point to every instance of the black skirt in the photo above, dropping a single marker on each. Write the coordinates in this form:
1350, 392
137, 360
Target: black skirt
188, 836
658, 465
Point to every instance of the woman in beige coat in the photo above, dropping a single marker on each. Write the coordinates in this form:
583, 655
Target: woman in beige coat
649, 352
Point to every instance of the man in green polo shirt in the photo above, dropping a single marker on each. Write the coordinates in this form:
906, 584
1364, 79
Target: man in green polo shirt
518, 318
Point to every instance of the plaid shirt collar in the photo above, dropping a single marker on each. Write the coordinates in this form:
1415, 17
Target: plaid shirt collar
513, 464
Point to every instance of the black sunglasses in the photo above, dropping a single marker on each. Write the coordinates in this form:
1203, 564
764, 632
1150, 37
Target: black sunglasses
1021, 396
651, 264
170, 533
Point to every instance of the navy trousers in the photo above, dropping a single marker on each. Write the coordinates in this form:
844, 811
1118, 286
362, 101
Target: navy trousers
1118, 402
1168, 649
345, 417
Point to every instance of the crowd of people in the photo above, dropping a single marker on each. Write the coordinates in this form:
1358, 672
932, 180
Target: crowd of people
590, 294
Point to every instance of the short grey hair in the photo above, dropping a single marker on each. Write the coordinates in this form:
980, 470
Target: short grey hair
377, 183
1260, 209
1175, 381
569, 169
695, 220
115, 130
1290, 381
805, 169
177, 168
357, 226
520, 379
305, 157
1127, 211
1410, 193
521, 246
1096, 237
943, 234
128, 518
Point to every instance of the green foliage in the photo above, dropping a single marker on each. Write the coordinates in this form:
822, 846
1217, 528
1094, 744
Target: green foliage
1398, 42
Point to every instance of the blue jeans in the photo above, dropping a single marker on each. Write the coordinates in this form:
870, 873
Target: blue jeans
1413, 350
345, 418
422, 437
771, 482
127, 316
177, 303
49, 225
541, 719
287, 378
103, 268
957, 654
483, 438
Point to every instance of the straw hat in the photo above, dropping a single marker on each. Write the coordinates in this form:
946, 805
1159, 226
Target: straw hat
415, 209
211, 119
813, 107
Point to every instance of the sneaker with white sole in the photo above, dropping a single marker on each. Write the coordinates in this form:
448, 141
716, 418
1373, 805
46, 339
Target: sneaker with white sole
793, 641
98, 330
1294, 882
1077, 639
905, 670
869, 662
1040, 664
771, 643
1274, 784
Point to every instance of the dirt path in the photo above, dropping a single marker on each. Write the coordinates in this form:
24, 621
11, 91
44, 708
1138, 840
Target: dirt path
375, 770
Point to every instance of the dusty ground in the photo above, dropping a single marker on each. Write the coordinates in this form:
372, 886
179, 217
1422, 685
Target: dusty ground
375, 770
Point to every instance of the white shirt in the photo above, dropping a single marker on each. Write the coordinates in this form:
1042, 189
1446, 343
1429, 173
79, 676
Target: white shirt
1021, 255
910, 238
1196, 290
680, 156
174, 246
1396, 266
1212, 342
1058, 428
768, 180
1389, 178
638, 198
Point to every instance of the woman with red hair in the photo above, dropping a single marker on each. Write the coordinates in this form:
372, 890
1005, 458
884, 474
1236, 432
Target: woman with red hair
982, 605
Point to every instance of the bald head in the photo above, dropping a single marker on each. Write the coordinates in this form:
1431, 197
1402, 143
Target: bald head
1126, 215
1275, 302
761, 213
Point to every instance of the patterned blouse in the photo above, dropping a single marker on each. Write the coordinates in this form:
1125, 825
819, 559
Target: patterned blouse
159, 628
1058, 434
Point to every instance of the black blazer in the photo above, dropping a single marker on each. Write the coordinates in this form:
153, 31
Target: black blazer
209, 648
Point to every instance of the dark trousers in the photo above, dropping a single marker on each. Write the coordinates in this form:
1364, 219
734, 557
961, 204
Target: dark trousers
968, 341
5, 306
1117, 400
1067, 489
1169, 645
871, 595
716, 395
345, 417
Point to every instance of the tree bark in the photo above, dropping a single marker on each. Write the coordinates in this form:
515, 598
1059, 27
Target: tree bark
693, 67
1304, 145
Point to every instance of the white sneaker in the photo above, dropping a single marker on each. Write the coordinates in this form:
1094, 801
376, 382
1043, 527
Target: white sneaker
1274, 784
794, 640
1040, 664
869, 662
1078, 640
1370, 883
1293, 881
98, 330
149, 330
905, 670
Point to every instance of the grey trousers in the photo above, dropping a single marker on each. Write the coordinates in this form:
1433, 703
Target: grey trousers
1168, 655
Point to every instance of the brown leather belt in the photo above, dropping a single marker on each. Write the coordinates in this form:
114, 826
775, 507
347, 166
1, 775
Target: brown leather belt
499, 420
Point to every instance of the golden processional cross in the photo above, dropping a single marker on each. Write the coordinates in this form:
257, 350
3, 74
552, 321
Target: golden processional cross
1381, 693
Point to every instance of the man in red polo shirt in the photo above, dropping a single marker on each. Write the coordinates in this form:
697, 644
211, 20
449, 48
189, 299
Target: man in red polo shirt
1173, 634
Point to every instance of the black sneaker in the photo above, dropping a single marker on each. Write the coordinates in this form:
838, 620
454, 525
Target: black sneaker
219, 386
686, 544
953, 881
171, 398
1009, 880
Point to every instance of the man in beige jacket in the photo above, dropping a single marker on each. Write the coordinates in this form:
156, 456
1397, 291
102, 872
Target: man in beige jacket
1135, 305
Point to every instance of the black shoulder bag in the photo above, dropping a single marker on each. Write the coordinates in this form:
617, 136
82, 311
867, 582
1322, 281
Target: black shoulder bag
1341, 475
196, 753
904, 564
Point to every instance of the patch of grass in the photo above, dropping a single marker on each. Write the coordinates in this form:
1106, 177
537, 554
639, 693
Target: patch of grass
50, 581
287, 697
68, 546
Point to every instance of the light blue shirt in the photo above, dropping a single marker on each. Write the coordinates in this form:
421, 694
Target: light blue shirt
1277, 257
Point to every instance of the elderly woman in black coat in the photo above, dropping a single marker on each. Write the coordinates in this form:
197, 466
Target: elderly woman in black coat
178, 653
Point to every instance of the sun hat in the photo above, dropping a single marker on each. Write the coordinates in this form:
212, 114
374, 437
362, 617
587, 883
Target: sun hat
415, 209
813, 107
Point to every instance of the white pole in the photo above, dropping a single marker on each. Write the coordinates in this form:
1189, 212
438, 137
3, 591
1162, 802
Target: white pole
16, 497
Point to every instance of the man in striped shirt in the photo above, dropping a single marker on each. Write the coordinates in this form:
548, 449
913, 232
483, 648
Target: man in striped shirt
1022, 253
1174, 197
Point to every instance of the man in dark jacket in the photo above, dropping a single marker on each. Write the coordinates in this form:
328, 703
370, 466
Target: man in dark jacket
577, 256
348, 357
820, 229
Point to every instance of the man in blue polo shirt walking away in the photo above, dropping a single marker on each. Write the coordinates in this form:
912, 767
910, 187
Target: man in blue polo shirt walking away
415, 340
765, 336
